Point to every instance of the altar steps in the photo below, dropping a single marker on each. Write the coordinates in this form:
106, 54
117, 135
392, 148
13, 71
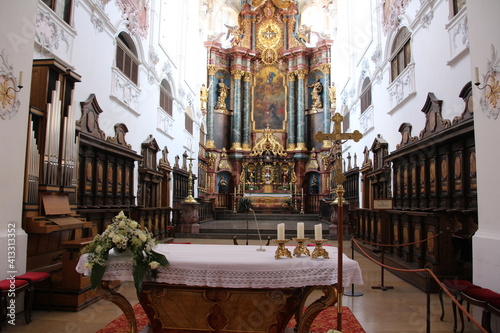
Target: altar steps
237, 224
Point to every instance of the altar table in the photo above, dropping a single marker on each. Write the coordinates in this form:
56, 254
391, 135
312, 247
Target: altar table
228, 288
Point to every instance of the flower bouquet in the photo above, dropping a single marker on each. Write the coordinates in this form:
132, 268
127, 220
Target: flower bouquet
123, 235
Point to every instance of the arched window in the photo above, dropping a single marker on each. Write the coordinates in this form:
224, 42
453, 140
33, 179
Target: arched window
366, 94
401, 52
166, 100
126, 57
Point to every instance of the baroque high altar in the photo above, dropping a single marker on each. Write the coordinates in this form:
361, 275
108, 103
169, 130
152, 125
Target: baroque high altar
265, 98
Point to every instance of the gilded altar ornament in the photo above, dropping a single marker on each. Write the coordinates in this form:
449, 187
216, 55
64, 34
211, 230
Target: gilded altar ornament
319, 251
281, 251
300, 249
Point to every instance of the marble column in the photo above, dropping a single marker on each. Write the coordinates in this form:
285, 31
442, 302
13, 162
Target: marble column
247, 79
236, 135
212, 97
301, 110
325, 69
292, 116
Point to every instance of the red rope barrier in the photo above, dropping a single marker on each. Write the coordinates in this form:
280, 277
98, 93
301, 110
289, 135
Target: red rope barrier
435, 279
404, 244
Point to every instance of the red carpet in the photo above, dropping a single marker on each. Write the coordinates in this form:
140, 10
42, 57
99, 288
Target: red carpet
321, 324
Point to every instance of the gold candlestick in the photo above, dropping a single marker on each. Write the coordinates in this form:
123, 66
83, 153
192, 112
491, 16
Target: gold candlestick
300, 248
281, 251
319, 251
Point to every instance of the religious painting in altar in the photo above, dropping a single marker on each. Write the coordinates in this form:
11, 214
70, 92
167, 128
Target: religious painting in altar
269, 108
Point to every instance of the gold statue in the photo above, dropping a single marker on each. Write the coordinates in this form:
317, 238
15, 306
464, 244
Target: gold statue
204, 96
332, 92
316, 94
221, 101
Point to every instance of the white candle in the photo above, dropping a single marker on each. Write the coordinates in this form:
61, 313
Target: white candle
20, 83
281, 231
318, 232
300, 230
477, 75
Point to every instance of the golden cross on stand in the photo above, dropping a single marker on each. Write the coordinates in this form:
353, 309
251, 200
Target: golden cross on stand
337, 137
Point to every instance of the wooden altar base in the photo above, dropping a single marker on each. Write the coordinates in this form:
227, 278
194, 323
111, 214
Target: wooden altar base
175, 308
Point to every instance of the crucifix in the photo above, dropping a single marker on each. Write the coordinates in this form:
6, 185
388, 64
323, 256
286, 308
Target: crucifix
337, 138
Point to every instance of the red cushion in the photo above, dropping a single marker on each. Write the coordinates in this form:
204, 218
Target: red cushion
459, 285
482, 294
5, 284
495, 303
33, 276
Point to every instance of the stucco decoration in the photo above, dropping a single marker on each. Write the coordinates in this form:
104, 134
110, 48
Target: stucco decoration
136, 12
392, 10
490, 95
9, 103
51, 35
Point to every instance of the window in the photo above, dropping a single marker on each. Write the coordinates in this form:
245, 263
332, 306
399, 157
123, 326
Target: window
189, 120
61, 7
126, 57
457, 6
166, 100
366, 94
401, 53
346, 123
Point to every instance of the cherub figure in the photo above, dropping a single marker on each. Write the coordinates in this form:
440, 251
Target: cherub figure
236, 32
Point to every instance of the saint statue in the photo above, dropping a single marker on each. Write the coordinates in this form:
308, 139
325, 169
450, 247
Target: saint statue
221, 101
222, 184
332, 92
317, 88
204, 96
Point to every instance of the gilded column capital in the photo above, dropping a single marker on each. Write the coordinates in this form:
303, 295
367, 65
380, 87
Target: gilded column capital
302, 73
212, 69
247, 77
237, 73
291, 76
325, 68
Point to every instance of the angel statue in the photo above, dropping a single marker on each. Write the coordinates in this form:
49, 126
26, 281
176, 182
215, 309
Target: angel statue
304, 34
236, 32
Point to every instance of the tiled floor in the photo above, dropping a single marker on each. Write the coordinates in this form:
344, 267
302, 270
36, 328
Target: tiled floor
402, 309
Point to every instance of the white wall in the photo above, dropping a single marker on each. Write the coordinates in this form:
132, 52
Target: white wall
483, 20
16, 44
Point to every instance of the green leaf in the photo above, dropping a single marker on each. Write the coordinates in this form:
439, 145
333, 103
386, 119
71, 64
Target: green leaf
160, 258
138, 273
96, 275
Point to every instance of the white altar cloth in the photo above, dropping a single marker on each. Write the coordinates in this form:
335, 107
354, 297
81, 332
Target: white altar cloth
231, 266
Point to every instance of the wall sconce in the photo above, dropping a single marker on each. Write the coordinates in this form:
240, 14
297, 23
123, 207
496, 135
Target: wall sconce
19, 84
477, 83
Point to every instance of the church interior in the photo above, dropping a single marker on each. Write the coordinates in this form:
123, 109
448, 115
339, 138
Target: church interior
373, 119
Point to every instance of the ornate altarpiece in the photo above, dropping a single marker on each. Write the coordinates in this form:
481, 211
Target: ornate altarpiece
267, 97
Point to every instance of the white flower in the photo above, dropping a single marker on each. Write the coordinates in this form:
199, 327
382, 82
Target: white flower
117, 239
154, 264
111, 234
142, 237
133, 224
122, 224
98, 249
88, 266
121, 215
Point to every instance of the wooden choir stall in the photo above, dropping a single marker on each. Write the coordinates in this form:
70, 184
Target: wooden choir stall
433, 206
